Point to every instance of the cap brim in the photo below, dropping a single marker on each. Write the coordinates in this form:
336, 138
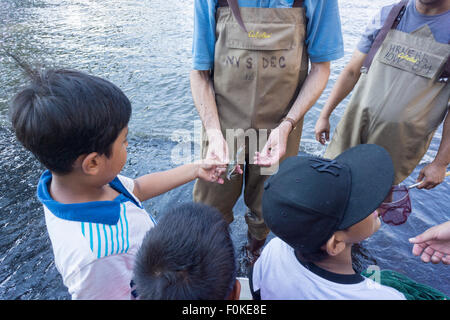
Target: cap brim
372, 174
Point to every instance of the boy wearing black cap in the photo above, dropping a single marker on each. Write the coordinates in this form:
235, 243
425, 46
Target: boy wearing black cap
318, 208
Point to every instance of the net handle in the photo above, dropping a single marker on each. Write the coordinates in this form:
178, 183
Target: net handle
420, 182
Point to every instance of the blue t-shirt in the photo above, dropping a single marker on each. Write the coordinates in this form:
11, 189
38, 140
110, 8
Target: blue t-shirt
411, 21
323, 31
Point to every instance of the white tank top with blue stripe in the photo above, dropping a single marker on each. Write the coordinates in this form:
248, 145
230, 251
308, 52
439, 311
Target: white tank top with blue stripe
96, 260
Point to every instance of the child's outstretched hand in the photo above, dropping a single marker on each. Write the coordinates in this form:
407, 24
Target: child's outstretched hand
212, 171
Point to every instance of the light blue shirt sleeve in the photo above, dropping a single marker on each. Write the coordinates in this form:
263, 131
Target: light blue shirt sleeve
204, 38
411, 20
323, 39
372, 30
323, 31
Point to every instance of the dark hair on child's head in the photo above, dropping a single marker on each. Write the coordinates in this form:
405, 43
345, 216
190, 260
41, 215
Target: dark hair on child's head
63, 114
189, 255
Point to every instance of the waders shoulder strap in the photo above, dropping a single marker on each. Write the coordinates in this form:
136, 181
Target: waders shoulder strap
234, 6
297, 4
392, 21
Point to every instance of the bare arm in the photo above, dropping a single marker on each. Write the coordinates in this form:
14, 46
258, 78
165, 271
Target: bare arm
204, 99
315, 83
343, 86
434, 173
154, 184
205, 102
311, 90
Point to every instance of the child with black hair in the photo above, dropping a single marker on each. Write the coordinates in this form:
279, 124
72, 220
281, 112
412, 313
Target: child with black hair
318, 209
77, 125
189, 255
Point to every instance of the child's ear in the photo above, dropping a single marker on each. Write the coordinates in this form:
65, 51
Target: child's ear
335, 244
91, 163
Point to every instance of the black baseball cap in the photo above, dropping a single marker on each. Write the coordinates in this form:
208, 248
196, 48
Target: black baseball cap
310, 198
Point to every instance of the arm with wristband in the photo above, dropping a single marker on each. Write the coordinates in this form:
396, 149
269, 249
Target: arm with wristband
323, 47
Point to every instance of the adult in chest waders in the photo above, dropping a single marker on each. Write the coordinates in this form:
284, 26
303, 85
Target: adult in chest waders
402, 93
251, 86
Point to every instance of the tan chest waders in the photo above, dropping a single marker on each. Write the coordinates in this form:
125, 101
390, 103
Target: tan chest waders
257, 76
400, 102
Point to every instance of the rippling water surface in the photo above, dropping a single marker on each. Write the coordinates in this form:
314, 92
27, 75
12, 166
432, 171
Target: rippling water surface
145, 48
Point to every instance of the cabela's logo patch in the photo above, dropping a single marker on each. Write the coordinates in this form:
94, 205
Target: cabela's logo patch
415, 60
406, 57
259, 35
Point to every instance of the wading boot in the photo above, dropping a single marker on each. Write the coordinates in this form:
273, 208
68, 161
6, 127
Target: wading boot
253, 248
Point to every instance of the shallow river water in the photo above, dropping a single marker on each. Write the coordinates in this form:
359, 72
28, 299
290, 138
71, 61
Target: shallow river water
144, 47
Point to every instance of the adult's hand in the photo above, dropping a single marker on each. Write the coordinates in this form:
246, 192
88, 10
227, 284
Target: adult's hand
344, 85
275, 147
432, 175
434, 244
217, 156
217, 149
322, 130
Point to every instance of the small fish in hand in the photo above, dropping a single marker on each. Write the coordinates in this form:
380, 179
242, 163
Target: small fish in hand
233, 165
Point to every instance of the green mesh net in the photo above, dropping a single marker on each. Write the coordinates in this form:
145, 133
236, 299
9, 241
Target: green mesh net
411, 289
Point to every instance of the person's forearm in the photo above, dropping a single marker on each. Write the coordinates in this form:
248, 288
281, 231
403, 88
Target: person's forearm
154, 184
204, 100
311, 90
344, 84
443, 155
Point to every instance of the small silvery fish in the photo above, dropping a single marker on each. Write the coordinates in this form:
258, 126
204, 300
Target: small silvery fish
231, 168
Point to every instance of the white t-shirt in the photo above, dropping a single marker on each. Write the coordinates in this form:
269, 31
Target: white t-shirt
95, 243
280, 276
